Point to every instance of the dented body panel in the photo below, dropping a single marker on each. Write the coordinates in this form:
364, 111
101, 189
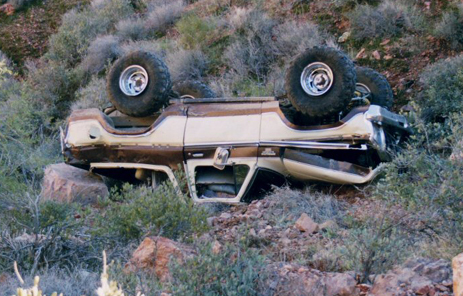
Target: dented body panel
233, 140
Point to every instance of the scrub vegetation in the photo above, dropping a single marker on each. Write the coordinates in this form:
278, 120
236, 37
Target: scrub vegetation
239, 48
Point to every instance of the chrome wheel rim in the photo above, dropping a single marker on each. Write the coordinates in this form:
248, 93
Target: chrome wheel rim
133, 80
317, 79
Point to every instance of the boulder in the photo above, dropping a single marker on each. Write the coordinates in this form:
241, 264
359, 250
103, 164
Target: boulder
65, 183
293, 280
420, 276
341, 284
457, 266
155, 254
329, 224
306, 224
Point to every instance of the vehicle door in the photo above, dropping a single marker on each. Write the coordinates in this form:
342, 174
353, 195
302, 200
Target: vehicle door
221, 144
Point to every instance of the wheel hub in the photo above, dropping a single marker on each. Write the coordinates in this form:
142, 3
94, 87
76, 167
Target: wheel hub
317, 79
133, 80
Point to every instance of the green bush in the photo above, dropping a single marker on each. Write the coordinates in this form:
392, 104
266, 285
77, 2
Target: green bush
442, 89
231, 272
141, 211
428, 185
25, 146
389, 19
450, 27
52, 86
194, 31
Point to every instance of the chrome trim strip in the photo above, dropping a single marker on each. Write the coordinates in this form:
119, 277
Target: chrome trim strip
313, 145
294, 144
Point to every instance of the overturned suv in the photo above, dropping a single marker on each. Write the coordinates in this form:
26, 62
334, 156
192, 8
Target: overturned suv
337, 129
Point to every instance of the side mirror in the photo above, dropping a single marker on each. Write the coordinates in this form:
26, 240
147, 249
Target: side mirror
221, 158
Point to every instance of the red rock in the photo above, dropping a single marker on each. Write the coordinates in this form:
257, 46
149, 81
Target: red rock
216, 247
306, 224
361, 54
225, 216
457, 267
341, 284
376, 55
65, 183
384, 42
7, 8
154, 255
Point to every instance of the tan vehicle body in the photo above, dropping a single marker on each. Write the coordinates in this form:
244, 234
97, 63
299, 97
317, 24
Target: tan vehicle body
222, 144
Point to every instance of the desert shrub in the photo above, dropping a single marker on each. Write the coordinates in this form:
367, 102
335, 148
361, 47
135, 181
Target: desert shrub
163, 15
389, 19
76, 283
80, 27
194, 31
146, 211
250, 53
41, 234
8, 85
450, 26
427, 183
101, 51
347, 4
221, 89
186, 64
151, 46
276, 82
442, 89
6, 61
287, 206
93, 95
18, 4
53, 86
369, 240
307, 35
135, 282
131, 28
25, 145
375, 246
232, 271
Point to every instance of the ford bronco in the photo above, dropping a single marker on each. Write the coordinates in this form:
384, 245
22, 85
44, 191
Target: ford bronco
227, 147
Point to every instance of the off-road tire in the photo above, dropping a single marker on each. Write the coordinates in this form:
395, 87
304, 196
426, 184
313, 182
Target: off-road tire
193, 88
337, 98
156, 92
381, 91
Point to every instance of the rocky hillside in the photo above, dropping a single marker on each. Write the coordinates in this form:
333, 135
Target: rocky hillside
395, 236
